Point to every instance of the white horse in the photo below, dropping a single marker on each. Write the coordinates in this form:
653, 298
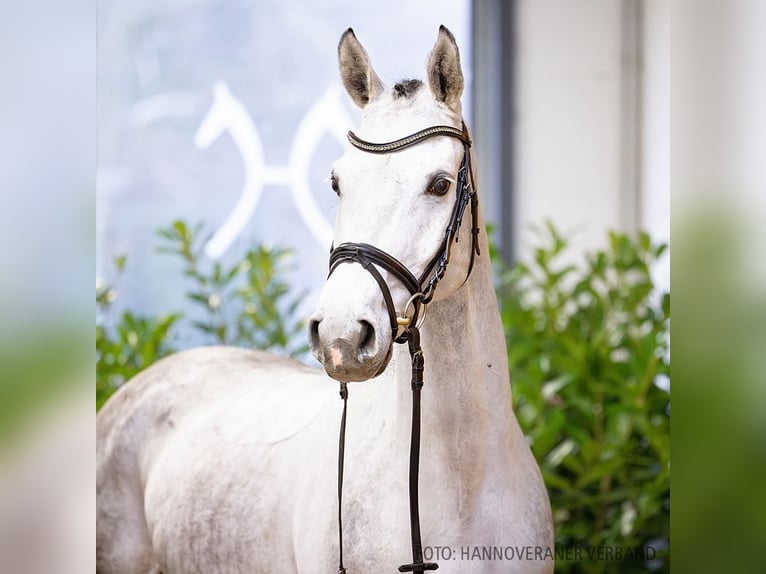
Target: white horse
223, 460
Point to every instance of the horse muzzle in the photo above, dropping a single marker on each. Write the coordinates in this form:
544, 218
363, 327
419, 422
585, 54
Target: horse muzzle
352, 350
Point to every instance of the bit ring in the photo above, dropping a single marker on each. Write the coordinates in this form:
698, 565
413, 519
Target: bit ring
403, 320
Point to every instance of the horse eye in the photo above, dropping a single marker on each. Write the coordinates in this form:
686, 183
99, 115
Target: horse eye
334, 184
439, 186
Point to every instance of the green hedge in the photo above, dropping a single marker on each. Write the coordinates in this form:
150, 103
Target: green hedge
586, 343
248, 304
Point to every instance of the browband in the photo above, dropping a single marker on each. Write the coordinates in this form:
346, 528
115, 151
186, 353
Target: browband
409, 140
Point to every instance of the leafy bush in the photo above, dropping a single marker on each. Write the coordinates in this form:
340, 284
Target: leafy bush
586, 345
248, 304
129, 345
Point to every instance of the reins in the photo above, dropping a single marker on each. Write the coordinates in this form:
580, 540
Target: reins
405, 328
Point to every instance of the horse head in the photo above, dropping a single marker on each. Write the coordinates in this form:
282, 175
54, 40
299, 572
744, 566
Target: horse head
398, 201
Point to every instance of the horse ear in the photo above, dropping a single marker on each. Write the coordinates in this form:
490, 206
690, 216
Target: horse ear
445, 76
361, 81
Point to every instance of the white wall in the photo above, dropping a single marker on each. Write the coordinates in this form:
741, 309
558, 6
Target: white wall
574, 123
655, 168
568, 118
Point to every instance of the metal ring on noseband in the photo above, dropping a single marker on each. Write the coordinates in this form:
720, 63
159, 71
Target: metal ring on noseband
403, 320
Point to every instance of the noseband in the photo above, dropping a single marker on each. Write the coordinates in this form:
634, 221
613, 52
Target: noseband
405, 328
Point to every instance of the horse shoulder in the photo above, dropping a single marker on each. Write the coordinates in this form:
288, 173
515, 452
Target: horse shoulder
149, 412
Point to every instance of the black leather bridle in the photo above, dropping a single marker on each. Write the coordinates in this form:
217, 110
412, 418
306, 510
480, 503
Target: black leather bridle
405, 328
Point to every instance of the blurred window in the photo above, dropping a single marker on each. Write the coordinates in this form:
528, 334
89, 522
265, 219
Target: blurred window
230, 113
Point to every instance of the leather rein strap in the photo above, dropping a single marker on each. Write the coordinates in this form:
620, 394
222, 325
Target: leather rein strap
404, 328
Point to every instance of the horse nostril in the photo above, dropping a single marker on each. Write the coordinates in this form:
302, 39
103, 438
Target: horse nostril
366, 339
314, 335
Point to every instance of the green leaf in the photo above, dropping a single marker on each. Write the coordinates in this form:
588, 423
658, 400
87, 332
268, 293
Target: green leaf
119, 262
180, 228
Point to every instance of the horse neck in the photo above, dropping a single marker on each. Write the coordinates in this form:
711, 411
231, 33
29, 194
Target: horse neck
466, 398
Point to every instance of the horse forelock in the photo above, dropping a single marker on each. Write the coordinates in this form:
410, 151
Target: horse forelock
406, 88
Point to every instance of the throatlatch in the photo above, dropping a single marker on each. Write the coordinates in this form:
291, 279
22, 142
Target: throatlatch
405, 328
